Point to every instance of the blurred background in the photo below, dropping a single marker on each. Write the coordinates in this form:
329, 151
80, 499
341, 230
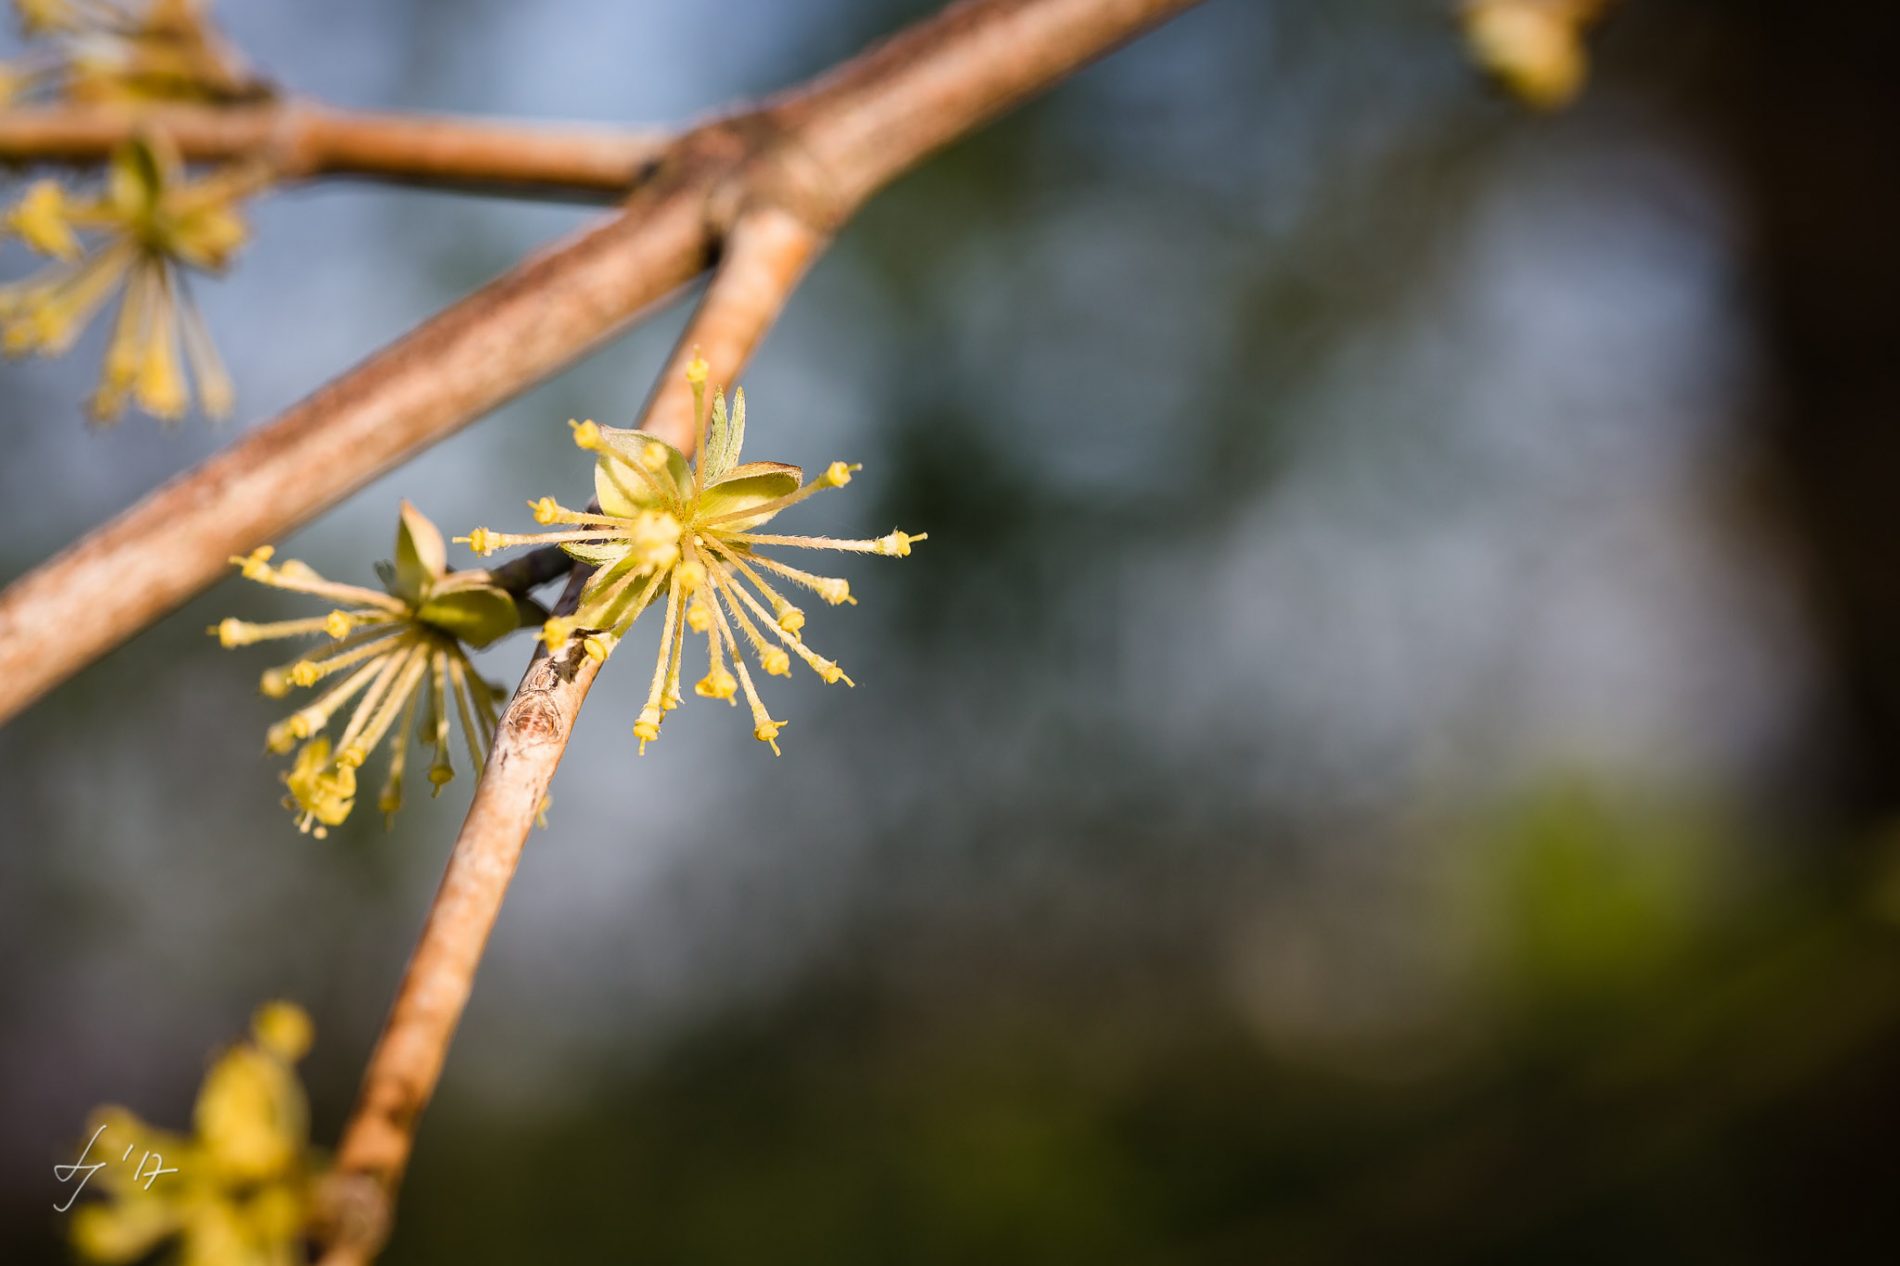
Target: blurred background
1391, 747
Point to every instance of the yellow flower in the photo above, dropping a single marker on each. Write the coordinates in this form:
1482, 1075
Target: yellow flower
237, 1190
112, 51
399, 658
151, 223
1535, 48
686, 532
68, 17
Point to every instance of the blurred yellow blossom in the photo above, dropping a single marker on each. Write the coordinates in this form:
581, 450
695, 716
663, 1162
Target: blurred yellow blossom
122, 53
688, 532
401, 658
234, 1192
1534, 47
151, 223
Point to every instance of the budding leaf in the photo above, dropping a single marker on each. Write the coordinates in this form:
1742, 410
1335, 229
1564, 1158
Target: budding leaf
421, 555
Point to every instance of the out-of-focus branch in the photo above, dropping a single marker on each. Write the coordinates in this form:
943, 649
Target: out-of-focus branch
531, 570
767, 252
815, 154
873, 118
300, 140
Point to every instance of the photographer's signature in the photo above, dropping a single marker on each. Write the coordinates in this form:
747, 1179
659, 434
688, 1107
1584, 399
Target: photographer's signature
151, 1167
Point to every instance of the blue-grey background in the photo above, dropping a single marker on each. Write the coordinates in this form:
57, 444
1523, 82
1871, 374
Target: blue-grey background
1384, 750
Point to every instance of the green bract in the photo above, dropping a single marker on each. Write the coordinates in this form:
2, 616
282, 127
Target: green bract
464, 605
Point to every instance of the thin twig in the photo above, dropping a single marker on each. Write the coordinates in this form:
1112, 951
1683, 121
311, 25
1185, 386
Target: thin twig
300, 140
766, 253
531, 570
816, 152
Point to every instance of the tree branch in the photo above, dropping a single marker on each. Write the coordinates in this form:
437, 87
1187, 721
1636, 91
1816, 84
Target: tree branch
531, 570
355, 1203
301, 140
815, 153
873, 118
767, 251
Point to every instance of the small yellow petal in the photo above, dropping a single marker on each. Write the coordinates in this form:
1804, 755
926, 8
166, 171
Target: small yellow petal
556, 631
647, 727
42, 219
482, 541
897, 544
717, 684
256, 564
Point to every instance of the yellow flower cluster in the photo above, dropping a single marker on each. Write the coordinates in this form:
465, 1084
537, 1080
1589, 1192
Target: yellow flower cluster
688, 533
1535, 48
234, 1192
150, 223
400, 658
120, 53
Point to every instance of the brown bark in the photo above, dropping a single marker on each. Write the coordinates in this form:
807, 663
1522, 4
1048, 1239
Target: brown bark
358, 1195
302, 140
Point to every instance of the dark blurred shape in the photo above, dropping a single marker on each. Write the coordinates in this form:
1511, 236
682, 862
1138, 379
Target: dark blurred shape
1804, 101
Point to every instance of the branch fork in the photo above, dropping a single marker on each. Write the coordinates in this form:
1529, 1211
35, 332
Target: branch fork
754, 195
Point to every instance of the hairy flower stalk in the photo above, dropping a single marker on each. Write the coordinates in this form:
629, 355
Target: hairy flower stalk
118, 53
684, 535
237, 1190
395, 660
151, 223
